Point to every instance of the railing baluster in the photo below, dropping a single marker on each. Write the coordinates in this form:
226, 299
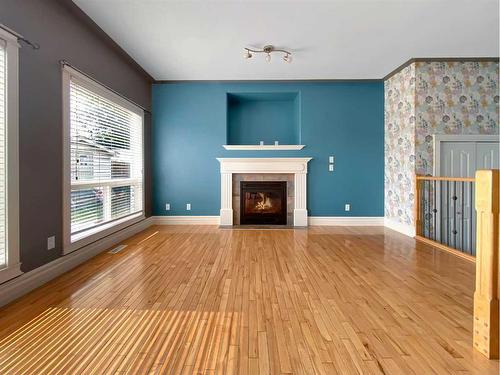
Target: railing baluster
426, 209
448, 222
434, 211
422, 227
442, 215
423, 208
463, 217
470, 224
473, 218
454, 214
429, 203
444, 218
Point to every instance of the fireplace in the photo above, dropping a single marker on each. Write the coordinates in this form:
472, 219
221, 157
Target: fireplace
263, 202
291, 170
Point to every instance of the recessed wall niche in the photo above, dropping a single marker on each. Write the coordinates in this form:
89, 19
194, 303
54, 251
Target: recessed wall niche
267, 117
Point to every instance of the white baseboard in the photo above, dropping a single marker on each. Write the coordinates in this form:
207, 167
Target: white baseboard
346, 220
408, 230
313, 220
28, 281
186, 220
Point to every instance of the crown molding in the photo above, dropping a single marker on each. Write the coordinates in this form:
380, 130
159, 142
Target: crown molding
299, 80
333, 80
440, 59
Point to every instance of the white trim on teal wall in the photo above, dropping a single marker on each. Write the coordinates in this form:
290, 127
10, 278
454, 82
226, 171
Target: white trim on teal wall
343, 221
313, 220
185, 220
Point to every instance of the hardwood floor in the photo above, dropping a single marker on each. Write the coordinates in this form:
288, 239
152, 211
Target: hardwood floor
198, 299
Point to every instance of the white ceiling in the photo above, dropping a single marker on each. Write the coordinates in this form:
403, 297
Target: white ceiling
338, 39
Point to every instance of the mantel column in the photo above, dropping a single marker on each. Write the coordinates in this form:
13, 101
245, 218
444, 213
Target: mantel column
226, 198
300, 210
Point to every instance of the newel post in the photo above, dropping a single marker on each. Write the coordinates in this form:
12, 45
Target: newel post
487, 263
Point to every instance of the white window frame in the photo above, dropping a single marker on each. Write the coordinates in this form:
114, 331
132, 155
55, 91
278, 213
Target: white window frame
13, 267
72, 243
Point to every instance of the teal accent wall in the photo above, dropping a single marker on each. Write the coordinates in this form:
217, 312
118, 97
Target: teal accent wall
343, 119
267, 117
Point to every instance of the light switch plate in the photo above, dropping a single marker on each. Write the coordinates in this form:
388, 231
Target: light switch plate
167, 206
348, 207
330, 167
188, 206
331, 159
51, 243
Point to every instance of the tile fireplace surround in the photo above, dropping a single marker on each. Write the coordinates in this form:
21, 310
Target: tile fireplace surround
239, 177
259, 166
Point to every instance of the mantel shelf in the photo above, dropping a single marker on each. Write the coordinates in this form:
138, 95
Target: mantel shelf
263, 147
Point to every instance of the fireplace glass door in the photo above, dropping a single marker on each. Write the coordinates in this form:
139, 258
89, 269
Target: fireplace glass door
263, 202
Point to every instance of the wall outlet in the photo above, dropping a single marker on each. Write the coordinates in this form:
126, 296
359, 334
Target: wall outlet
330, 167
331, 160
348, 207
167, 206
188, 206
51, 243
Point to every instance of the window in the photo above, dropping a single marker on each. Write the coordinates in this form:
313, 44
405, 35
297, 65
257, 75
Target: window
9, 158
103, 161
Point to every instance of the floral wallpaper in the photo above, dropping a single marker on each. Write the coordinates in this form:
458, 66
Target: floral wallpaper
429, 98
453, 98
400, 145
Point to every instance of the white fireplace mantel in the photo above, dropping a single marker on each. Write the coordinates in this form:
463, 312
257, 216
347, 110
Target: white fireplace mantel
295, 166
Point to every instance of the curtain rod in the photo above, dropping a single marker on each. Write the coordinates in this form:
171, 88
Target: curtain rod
20, 37
65, 63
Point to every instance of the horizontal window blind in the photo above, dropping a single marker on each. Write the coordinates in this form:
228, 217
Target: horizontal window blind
106, 159
3, 149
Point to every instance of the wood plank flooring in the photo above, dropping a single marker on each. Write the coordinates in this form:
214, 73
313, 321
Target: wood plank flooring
204, 300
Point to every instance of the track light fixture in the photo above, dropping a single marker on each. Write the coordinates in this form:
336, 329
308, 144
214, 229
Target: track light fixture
268, 50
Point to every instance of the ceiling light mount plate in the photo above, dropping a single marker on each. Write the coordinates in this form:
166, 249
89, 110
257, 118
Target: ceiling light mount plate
268, 49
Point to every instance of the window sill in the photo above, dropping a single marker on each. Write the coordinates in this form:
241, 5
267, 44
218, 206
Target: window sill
84, 238
10, 272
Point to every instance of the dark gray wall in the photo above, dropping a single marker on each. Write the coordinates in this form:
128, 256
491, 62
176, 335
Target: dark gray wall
63, 32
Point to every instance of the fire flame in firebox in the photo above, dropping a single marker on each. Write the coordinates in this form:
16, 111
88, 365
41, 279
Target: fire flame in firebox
265, 202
